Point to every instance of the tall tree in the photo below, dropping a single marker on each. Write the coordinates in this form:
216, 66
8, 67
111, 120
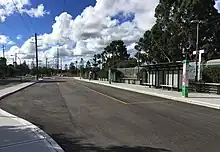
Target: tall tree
66, 67
116, 52
72, 68
3, 66
173, 28
95, 60
88, 64
143, 48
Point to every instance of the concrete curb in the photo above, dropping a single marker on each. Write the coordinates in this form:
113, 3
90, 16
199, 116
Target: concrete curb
16, 90
180, 99
53, 145
36, 130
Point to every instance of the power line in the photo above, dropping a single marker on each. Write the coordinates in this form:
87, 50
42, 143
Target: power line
21, 17
5, 23
29, 20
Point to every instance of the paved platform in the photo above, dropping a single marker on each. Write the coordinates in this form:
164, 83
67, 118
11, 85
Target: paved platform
201, 99
19, 135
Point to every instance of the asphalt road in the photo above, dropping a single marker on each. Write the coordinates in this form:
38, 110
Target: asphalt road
88, 117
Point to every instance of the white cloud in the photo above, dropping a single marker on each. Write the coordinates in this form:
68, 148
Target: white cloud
11, 43
6, 40
8, 8
217, 5
94, 28
19, 37
36, 12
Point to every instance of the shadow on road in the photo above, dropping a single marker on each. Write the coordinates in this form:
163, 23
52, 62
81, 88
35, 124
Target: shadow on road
22, 138
76, 145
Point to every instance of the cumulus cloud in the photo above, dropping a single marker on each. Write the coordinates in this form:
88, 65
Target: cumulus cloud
94, 28
36, 12
5, 40
217, 5
9, 7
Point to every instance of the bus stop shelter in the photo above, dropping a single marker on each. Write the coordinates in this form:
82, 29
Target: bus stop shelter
163, 75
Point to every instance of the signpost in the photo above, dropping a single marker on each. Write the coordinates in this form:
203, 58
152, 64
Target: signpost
199, 64
185, 80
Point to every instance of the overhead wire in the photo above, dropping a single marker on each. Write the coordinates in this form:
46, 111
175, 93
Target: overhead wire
5, 23
27, 27
29, 20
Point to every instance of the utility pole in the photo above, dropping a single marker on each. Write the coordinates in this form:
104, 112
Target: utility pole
113, 57
61, 61
3, 51
81, 67
76, 69
109, 71
57, 61
139, 51
37, 72
46, 61
16, 58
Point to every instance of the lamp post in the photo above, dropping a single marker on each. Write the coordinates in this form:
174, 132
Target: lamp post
109, 71
76, 68
115, 60
138, 62
81, 67
197, 22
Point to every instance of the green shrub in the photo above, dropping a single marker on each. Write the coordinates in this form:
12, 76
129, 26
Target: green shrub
211, 74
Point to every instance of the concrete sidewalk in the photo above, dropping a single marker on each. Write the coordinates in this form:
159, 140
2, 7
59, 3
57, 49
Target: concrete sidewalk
201, 99
19, 135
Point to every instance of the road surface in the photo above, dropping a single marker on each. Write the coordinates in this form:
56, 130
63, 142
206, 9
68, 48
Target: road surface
81, 116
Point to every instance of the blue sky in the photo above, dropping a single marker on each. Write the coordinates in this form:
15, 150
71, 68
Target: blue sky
75, 28
81, 28
14, 25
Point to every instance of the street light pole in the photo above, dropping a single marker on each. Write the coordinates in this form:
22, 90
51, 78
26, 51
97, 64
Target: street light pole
197, 46
109, 72
139, 51
76, 69
81, 67
46, 61
197, 50
3, 51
